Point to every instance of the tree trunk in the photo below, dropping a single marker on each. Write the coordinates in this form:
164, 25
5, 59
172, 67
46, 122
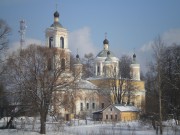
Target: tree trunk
9, 124
43, 122
160, 96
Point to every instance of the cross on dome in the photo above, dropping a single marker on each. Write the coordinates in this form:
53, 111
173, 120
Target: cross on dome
105, 35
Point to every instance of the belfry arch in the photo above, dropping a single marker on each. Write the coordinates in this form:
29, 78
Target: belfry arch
62, 42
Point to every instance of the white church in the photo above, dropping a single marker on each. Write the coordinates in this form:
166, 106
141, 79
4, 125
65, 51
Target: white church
85, 97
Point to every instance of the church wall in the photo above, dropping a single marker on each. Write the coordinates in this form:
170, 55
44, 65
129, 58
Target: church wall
77, 106
87, 101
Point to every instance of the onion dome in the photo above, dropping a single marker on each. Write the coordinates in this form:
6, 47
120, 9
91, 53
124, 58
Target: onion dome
78, 59
134, 59
134, 55
56, 14
77, 56
105, 41
56, 23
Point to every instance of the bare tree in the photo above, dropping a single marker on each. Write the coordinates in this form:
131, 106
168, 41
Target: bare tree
35, 74
151, 94
88, 65
162, 82
4, 33
119, 89
124, 66
158, 51
72, 62
171, 81
3, 100
124, 71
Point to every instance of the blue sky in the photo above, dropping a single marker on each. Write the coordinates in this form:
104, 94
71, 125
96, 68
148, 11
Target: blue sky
129, 23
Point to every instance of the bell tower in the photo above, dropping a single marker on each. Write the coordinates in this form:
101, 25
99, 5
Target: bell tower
56, 35
135, 69
78, 68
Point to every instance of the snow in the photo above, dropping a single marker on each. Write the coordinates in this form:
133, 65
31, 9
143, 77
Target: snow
30, 126
126, 108
84, 84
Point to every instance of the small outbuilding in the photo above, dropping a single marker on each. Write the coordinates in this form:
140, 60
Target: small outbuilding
116, 112
97, 115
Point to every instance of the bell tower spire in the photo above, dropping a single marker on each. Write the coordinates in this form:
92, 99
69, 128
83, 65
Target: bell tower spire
56, 34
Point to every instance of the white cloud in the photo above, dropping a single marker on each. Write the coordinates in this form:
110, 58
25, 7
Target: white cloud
144, 55
171, 36
146, 47
81, 40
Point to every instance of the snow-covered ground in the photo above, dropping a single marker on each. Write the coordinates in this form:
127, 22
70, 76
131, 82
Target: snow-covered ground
30, 126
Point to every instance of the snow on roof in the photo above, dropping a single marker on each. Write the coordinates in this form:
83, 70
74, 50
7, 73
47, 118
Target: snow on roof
99, 78
84, 84
126, 108
98, 111
94, 78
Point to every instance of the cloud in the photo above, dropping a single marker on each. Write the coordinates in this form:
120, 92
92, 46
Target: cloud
16, 45
144, 55
171, 36
146, 47
81, 39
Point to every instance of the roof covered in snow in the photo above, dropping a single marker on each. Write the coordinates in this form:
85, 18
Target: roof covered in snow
126, 108
84, 84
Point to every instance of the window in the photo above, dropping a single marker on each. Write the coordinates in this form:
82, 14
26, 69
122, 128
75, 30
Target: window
87, 106
106, 116
116, 117
93, 105
62, 42
114, 69
50, 42
102, 105
111, 117
81, 106
110, 109
63, 64
98, 69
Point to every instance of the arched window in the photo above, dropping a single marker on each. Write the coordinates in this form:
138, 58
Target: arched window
62, 42
50, 42
114, 69
63, 64
98, 69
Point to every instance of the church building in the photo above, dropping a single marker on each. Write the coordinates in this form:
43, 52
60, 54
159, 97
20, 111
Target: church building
87, 96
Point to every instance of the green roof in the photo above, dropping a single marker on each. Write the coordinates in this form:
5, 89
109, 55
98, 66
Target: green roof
56, 24
103, 53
